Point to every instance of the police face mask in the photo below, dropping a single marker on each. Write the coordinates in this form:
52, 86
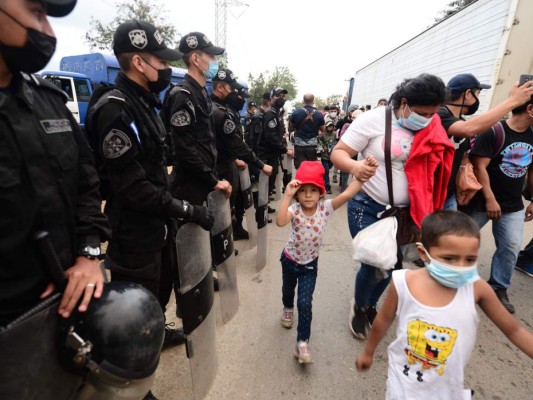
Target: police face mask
163, 79
279, 103
450, 276
212, 70
235, 101
34, 55
414, 122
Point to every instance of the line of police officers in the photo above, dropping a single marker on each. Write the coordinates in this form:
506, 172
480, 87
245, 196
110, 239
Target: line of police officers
49, 182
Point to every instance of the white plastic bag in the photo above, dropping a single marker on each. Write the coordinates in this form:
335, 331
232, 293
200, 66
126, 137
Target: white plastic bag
376, 244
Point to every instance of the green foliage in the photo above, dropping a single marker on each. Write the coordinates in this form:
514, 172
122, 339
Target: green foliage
100, 36
453, 7
266, 81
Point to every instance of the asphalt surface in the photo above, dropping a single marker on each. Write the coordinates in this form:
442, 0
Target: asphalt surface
255, 351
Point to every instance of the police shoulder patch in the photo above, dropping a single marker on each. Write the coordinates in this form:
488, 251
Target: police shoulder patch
272, 123
115, 144
181, 118
229, 126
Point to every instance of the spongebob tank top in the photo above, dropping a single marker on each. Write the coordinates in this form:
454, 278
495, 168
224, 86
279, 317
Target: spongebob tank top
432, 346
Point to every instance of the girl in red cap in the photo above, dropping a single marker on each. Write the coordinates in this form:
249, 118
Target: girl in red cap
309, 216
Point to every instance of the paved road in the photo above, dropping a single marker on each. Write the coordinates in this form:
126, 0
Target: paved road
255, 351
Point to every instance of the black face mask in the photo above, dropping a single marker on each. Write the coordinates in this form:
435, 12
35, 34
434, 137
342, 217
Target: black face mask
163, 80
279, 103
33, 56
471, 109
235, 101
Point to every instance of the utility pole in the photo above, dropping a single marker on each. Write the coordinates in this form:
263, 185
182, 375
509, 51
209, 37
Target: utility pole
221, 21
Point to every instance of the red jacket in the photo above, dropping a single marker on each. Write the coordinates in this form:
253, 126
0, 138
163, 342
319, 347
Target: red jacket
428, 169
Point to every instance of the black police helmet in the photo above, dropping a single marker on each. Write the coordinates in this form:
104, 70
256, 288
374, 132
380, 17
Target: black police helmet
121, 333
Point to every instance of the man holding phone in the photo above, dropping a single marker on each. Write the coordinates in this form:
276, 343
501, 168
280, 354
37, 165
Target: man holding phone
463, 100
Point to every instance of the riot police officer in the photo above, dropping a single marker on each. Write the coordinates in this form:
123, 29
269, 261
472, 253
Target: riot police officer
188, 115
271, 143
47, 178
228, 97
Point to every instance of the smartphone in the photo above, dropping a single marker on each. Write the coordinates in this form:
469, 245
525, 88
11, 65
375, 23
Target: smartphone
524, 79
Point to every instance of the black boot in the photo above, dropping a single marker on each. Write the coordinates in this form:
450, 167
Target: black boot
150, 396
173, 337
239, 233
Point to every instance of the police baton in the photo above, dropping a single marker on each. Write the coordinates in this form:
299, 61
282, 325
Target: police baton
51, 261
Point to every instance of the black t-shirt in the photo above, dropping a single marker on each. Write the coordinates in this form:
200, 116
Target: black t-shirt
507, 170
461, 145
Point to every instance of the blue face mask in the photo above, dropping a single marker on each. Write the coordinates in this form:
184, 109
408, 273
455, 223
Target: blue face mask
212, 71
414, 122
450, 276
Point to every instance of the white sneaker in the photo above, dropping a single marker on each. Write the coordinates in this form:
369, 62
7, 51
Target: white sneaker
287, 318
302, 352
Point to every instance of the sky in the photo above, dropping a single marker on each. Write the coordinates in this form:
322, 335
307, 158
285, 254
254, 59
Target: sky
323, 43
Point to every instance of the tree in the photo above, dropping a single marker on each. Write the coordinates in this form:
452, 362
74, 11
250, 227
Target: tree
100, 36
266, 81
453, 7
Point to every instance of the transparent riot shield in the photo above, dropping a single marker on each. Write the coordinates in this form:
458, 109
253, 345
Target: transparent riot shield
248, 202
287, 169
279, 177
223, 255
196, 296
30, 368
261, 217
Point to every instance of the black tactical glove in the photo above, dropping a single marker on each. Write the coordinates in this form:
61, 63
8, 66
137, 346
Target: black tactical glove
202, 216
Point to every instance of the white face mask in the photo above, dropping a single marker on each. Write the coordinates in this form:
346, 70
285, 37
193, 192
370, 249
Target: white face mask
333, 114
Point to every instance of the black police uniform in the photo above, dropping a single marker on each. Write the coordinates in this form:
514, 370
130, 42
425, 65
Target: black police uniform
271, 144
230, 146
132, 142
47, 182
188, 111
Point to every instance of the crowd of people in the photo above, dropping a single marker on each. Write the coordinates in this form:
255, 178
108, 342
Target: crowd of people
406, 153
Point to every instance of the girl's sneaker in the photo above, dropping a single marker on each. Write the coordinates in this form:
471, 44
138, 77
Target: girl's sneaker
286, 319
302, 352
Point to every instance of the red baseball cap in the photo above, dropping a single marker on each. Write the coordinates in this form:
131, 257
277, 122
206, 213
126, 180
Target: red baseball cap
311, 173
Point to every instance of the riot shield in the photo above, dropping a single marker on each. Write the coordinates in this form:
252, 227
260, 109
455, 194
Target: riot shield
196, 296
30, 368
279, 177
287, 164
261, 217
248, 202
223, 255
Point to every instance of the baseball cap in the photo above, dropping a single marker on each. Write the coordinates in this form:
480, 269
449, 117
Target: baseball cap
227, 76
252, 104
135, 36
198, 41
353, 107
329, 123
59, 8
277, 91
312, 173
462, 82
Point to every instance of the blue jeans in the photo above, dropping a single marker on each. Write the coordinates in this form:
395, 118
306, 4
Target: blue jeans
507, 232
327, 165
369, 285
344, 180
305, 276
450, 203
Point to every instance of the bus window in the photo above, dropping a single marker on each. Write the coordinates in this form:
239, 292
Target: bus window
82, 90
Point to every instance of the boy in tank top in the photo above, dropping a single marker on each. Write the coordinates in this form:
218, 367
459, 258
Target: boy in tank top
437, 317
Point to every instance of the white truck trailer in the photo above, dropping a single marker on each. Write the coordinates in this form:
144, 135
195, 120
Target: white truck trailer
489, 38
